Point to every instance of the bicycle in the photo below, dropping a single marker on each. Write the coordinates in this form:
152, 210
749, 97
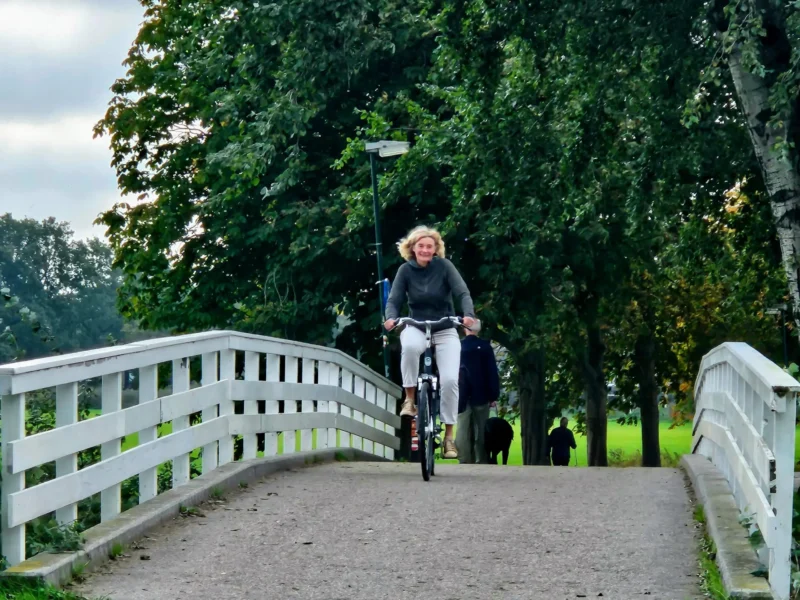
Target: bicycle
428, 395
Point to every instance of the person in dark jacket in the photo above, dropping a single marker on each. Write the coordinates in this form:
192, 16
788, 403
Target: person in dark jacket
559, 442
478, 387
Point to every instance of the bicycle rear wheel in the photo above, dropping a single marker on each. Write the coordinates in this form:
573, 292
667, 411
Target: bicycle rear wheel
425, 430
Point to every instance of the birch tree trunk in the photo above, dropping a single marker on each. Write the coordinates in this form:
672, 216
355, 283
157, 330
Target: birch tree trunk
780, 178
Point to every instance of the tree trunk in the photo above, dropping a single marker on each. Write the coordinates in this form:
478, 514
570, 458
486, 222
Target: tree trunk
596, 399
532, 407
780, 178
645, 356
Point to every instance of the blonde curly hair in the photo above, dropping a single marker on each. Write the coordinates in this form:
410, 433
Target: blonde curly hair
406, 245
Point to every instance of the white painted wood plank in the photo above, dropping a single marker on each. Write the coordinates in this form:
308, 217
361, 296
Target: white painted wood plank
50, 445
369, 396
242, 424
197, 399
111, 401
758, 455
209, 377
782, 502
78, 366
271, 405
344, 410
52, 371
759, 372
13, 534
181, 467
227, 372
67, 414
333, 405
52, 495
298, 350
322, 405
250, 443
756, 500
148, 396
290, 404
301, 391
307, 406
380, 402
360, 391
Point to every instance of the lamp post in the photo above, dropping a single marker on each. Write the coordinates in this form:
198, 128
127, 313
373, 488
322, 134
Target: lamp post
383, 148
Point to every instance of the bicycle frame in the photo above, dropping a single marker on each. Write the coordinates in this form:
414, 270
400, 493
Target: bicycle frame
428, 395
427, 374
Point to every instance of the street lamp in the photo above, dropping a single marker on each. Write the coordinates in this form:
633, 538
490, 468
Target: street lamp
384, 149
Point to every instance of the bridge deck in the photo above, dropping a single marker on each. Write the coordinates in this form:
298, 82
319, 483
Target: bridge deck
376, 530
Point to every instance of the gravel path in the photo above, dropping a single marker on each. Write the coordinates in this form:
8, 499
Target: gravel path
376, 530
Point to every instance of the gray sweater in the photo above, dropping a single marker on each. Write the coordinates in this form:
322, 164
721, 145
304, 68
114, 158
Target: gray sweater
429, 290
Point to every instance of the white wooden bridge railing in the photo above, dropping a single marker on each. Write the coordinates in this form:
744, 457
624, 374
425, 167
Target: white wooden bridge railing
343, 400
745, 423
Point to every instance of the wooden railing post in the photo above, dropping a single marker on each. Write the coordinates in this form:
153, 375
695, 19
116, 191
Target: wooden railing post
67, 414
271, 406
181, 465
209, 367
13, 410
148, 392
111, 400
227, 370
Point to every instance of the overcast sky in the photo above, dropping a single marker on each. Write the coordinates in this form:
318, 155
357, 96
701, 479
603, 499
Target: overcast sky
58, 59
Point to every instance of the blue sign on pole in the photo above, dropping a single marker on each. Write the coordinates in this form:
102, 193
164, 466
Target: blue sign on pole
386, 287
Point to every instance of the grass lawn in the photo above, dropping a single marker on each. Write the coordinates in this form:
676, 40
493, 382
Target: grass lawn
628, 439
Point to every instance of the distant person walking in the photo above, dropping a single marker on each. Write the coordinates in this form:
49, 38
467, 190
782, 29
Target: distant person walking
559, 443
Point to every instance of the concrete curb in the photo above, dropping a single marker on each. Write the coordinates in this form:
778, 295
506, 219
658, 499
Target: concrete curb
735, 556
57, 569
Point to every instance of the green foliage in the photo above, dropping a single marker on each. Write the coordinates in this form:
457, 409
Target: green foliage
117, 550
58, 294
617, 457
710, 577
78, 571
243, 224
583, 217
50, 536
23, 588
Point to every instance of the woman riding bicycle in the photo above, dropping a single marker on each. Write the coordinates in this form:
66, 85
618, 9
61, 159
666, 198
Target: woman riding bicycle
429, 281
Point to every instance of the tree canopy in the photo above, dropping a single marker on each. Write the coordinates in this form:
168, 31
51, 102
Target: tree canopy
58, 294
600, 237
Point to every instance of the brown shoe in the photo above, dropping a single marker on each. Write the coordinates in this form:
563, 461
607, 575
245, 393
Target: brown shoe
408, 410
450, 451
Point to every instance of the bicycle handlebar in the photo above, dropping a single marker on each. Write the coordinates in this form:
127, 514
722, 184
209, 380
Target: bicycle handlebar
442, 321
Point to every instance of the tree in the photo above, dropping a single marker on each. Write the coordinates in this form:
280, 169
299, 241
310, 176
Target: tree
756, 42
59, 294
226, 127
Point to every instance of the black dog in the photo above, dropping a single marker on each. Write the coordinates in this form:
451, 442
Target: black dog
498, 435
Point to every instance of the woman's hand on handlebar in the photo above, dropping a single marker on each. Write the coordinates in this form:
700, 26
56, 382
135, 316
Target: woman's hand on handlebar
389, 324
468, 322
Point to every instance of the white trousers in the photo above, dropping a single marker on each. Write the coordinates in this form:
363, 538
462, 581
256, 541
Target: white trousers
447, 348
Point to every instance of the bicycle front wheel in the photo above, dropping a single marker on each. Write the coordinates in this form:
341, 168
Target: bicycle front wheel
425, 430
